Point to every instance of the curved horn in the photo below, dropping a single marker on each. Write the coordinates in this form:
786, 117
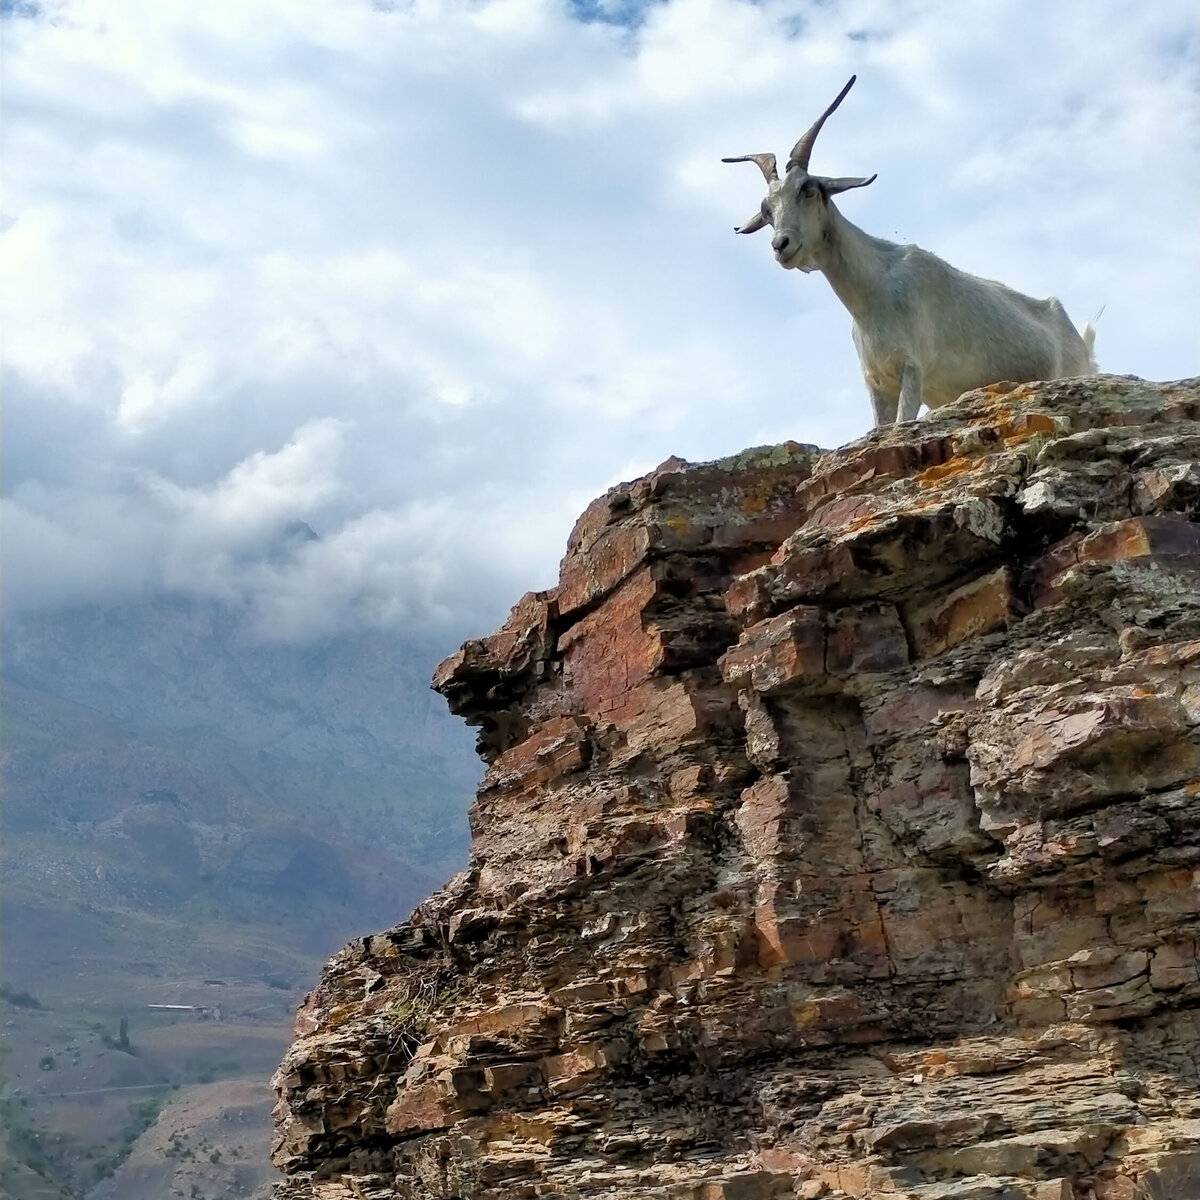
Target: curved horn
843, 184
802, 150
765, 162
753, 225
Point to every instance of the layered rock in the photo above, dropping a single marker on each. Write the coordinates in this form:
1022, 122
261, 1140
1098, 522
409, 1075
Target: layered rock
840, 837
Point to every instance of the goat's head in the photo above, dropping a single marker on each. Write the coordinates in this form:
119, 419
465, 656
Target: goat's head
797, 206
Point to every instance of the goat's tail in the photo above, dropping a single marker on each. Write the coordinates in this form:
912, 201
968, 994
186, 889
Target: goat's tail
1089, 339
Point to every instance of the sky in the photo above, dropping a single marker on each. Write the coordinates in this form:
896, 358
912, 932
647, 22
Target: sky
424, 278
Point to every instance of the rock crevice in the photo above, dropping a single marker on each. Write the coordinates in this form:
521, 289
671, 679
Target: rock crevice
840, 836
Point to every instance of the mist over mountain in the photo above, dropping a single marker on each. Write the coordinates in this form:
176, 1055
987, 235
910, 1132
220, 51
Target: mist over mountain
358, 699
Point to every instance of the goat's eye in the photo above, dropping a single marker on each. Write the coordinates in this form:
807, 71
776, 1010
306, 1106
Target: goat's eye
766, 211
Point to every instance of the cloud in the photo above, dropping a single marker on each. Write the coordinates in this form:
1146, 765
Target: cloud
261, 493
427, 276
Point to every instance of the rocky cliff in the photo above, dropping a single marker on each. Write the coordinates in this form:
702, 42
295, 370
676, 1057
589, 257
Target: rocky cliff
840, 837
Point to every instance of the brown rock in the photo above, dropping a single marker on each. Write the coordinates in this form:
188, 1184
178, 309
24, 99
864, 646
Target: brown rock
840, 837
779, 652
1175, 965
1120, 1188
612, 650
1054, 1189
866, 639
418, 1108
969, 611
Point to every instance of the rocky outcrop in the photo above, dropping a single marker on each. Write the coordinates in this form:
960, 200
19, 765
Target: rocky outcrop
840, 837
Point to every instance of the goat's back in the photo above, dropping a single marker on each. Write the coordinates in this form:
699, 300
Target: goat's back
972, 331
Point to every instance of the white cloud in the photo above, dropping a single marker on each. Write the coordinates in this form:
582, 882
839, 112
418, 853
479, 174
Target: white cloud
263, 491
428, 276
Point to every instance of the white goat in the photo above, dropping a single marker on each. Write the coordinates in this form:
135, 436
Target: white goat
924, 330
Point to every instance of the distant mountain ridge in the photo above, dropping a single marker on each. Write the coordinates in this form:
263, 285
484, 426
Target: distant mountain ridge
357, 698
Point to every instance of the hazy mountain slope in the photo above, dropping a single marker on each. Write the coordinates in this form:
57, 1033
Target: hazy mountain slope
210, 1142
193, 816
19, 1180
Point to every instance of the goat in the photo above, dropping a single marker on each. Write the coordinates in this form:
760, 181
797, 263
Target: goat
924, 331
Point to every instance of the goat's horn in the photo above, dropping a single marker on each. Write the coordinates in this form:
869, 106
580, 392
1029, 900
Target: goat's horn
753, 225
844, 184
802, 150
766, 164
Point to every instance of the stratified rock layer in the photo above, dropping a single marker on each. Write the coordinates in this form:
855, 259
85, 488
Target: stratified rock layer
840, 836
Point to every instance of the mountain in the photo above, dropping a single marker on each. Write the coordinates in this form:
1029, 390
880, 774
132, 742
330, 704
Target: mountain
196, 816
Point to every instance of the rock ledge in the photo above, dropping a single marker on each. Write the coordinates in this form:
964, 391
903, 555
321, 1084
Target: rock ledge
840, 836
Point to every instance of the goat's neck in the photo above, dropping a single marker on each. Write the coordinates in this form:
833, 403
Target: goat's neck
855, 266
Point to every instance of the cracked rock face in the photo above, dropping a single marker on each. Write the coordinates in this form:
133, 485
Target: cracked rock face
840, 837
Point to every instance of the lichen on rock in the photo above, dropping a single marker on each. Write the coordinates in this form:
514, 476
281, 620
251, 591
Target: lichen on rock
840, 836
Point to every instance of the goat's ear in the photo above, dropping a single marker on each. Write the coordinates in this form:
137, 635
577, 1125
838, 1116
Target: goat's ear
844, 184
753, 225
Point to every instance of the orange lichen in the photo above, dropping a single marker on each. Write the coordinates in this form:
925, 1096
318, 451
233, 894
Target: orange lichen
1012, 425
861, 523
947, 470
1028, 425
754, 502
1002, 387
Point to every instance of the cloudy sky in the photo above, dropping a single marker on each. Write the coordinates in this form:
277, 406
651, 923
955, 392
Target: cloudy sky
427, 276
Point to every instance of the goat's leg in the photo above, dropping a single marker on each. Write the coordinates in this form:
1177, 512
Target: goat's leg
910, 393
884, 406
